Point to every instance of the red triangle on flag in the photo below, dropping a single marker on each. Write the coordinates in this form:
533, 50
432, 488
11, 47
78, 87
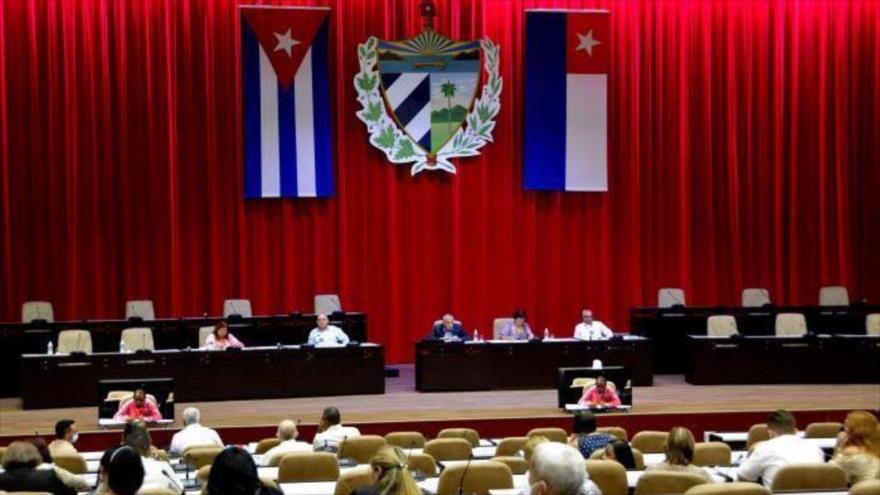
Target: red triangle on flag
285, 35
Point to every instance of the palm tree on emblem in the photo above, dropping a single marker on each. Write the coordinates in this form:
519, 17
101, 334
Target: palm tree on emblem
448, 89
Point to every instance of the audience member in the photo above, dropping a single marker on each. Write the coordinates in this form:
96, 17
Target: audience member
783, 448
139, 407
157, 474
448, 329
122, 472
331, 432
558, 469
679, 451
20, 473
589, 329
599, 395
584, 436
620, 451
66, 434
326, 334
518, 329
221, 339
234, 473
391, 475
155, 453
858, 447
193, 434
66, 477
287, 433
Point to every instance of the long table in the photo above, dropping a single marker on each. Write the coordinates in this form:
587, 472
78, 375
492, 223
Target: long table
17, 339
252, 373
522, 365
668, 328
812, 359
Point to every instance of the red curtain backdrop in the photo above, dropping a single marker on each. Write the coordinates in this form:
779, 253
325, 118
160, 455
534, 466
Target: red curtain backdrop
744, 145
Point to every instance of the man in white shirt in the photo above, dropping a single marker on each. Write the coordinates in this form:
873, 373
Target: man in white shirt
65, 436
590, 329
193, 434
331, 432
157, 474
783, 448
287, 433
326, 334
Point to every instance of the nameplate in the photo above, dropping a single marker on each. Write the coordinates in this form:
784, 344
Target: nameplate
71, 365
141, 361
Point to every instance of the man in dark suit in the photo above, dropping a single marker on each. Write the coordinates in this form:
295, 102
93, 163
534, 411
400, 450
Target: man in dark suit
448, 329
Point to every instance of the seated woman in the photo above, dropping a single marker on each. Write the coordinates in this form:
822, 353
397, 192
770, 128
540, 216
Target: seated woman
621, 452
64, 475
599, 395
679, 450
858, 447
20, 473
518, 329
235, 473
391, 475
221, 339
584, 436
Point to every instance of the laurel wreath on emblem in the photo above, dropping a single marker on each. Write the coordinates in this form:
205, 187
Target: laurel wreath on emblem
398, 146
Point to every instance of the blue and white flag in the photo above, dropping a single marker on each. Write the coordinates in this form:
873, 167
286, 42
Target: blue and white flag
286, 101
566, 92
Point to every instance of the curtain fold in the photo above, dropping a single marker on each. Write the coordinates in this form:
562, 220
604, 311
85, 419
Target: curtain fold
744, 144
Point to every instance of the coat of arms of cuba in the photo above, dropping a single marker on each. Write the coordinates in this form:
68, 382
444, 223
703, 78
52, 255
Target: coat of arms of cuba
419, 96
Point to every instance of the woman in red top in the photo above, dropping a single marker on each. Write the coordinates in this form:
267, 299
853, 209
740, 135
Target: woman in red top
221, 339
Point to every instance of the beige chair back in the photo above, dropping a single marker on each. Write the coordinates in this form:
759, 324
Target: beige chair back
649, 442
867, 487
734, 488
74, 463
138, 338
587, 382
609, 476
308, 466
755, 298
119, 395
791, 325
361, 448
517, 465
327, 303
448, 449
74, 341
203, 334
266, 444
155, 490
638, 459
669, 297
406, 439
510, 446
498, 324
666, 482
37, 310
479, 478
712, 454
721, 326
553, 434
809, 476
203, 474
757, 433
872, 324
422, 462
833, 296
827, 429
615, 431
201, 456
241, 307
353, 479
142, 309
468, 434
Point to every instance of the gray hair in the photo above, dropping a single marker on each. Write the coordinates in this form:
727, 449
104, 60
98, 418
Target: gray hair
560, 466
287, 430
191, 416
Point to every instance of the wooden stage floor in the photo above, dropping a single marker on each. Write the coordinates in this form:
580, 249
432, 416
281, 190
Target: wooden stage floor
401, 403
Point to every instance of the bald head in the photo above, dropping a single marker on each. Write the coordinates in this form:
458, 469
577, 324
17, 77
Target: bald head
287, 430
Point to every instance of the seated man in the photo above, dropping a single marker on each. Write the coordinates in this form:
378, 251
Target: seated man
783, 448
448, 330
138, 408
327, 335
599, 395
158, 474
331, 432
558, 469
65, 436
193, 434
589, 329
287, 433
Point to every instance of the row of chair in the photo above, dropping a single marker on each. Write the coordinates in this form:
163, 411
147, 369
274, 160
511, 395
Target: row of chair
669, 297
133, 339
787, 325
143, 309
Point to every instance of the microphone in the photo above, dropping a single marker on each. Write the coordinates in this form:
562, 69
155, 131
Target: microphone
464, 473
79, 342
144, 339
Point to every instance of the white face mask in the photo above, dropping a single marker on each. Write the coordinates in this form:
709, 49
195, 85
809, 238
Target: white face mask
74, 438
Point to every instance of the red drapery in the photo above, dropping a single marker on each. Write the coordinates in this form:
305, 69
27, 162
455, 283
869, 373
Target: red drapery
744, 145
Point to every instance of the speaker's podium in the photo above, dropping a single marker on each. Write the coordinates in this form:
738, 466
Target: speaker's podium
571, 383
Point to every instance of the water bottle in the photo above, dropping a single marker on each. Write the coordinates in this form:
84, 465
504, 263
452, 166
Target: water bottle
476, 335
50, 349
121, 346
546, 334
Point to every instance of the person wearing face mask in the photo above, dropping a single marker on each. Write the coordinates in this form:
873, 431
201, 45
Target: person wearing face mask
66, 434
590, 329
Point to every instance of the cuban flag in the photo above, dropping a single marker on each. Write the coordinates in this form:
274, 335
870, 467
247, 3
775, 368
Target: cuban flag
566, 91
286, 102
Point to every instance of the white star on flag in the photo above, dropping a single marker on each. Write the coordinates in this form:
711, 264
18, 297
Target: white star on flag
587, 42
285, 42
